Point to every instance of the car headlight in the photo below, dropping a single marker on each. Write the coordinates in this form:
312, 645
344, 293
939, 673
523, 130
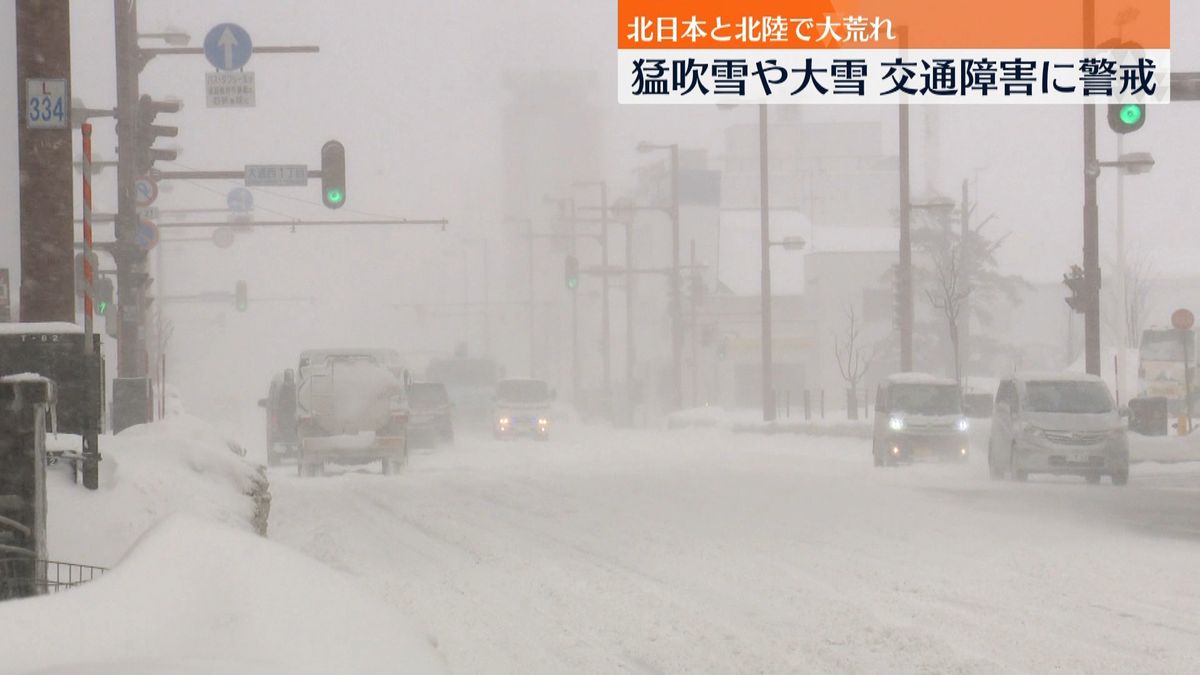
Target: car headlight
542, 421
963, 424
503, 421
896, 424
1034, 432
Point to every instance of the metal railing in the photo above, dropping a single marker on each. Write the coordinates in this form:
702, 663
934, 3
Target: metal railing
25, 577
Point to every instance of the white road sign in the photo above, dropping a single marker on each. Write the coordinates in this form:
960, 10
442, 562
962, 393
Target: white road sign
276, 174
46, 104
230, 89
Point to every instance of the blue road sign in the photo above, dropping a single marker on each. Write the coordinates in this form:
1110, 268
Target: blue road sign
146, 236
240, 199
227, 46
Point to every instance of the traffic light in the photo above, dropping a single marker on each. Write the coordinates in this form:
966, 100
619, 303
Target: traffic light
333, 174
571, 272
145, 154
1126, 118
1080, 299
240, 298
104, 295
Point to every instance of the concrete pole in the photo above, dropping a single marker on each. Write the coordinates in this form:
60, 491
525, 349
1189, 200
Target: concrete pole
764, 208
47, 286
904, 282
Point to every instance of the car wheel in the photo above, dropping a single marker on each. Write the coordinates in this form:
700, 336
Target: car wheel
387, 467
1093, 478
1120, 478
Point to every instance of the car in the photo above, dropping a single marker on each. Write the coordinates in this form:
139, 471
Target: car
521, 407
430, 413
1057, 423
280, 406
918, 417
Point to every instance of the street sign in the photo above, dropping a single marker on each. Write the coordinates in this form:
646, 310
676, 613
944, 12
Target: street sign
146, 236
145, 191
46, 104
229, 90
240, 200
227, 46
1183, 319
276, 174
223, 237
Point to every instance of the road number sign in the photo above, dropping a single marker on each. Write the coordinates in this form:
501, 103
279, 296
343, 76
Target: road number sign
223, 237
46, 104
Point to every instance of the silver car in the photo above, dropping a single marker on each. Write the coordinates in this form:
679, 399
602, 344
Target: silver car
1057, 423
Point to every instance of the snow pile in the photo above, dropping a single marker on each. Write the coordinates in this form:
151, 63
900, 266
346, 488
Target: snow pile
149, 472
1164, 449
194, 596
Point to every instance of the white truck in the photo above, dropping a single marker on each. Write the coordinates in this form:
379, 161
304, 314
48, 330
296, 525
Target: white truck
351, 408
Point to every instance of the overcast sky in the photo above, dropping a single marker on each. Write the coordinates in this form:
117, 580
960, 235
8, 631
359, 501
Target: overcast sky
412, 89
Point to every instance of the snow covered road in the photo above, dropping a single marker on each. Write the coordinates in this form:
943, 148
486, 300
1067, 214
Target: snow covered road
702, 551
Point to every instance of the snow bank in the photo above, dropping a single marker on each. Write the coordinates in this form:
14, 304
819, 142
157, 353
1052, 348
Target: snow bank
194, 596
149, 472
1164, 449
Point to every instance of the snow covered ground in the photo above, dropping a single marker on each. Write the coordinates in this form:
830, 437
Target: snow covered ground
704, 551
196, 596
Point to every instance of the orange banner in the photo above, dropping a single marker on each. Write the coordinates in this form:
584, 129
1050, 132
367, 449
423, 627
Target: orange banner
878, 24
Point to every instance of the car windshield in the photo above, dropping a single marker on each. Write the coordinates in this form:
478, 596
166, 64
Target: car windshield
522, 391
427, 395
925, 399
1080, 398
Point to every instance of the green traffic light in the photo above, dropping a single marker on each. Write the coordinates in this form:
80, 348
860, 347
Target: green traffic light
101, 307
335, 196
1131, 114
573, 283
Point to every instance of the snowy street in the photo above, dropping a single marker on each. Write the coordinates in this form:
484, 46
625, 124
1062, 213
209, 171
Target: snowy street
704, 551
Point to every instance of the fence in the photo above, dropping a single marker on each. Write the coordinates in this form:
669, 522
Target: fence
22, 577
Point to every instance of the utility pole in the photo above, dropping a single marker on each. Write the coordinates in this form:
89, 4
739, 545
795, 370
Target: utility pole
676, 299
904, 282
764, 208
532, 317
696, 281
605, 311
630, 353
574, 314
1091, 215
964, 270
45, 163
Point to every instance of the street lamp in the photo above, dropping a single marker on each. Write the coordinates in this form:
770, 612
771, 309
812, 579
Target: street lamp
171, 35
676, 302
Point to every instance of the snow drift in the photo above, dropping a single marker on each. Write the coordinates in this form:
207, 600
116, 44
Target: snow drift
197, 596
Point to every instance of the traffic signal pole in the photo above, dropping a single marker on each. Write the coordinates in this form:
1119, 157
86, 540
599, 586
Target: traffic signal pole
1091, 217
131, 345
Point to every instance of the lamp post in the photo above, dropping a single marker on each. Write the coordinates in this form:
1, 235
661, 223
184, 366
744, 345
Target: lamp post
676, 304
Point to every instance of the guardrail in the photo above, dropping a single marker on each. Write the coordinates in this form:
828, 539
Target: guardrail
22, 577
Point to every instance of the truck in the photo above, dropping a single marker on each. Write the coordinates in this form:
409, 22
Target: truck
351, 408
470, 382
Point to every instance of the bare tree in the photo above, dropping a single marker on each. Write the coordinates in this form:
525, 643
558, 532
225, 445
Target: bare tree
1136, 285
852, 359
949, 294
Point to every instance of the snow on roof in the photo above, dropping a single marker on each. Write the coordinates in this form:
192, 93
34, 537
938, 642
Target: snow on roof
919, 378
61, 327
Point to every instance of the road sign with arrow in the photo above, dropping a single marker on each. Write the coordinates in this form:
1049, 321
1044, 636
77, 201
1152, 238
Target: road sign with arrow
227, 46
